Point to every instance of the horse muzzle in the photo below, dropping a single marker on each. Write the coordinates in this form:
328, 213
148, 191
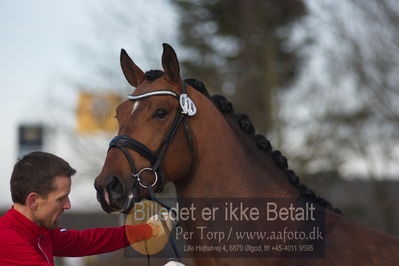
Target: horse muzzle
112, 195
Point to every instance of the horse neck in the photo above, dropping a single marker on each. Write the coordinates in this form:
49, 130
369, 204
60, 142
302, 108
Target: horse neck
225, 167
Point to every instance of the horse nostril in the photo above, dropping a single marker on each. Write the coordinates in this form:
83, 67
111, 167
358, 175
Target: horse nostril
115, 188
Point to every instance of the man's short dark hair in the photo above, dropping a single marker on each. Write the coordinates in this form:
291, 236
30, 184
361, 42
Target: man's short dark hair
35, 172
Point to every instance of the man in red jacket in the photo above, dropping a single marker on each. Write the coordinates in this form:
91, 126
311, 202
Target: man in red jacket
29, 231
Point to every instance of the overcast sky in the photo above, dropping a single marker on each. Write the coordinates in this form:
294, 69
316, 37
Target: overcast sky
37, 52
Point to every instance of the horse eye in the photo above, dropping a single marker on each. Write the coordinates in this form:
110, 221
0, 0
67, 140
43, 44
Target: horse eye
160, 113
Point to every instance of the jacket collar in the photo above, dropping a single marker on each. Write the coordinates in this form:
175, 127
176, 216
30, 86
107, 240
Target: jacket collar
24, 225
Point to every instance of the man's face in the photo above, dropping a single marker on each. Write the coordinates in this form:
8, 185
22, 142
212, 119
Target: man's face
50, 208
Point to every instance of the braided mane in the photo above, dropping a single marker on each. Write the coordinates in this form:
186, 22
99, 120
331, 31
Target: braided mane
245, 124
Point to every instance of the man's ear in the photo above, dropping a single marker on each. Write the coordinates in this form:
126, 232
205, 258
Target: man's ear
32, 200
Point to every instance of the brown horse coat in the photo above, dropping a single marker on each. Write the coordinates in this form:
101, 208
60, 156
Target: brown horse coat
224, 162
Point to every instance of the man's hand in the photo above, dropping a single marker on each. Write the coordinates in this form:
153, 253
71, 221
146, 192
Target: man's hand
161, 224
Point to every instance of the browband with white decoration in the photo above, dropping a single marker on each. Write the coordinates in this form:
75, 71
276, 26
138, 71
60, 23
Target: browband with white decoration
152, 93
186, 104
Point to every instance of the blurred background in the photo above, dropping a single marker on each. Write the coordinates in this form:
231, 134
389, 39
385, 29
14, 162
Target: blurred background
319, 78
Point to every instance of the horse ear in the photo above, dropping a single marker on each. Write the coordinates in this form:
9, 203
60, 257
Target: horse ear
170, 63
132, 72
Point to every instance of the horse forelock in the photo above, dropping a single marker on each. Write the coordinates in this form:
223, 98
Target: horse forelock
152, 75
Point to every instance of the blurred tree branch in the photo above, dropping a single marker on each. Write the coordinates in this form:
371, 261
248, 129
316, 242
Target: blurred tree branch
237, 48
347, 87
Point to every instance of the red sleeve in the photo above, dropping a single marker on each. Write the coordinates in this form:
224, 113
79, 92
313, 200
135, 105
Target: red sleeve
72, 243
16, 250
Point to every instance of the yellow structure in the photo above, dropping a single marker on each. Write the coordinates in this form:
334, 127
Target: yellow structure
96, 112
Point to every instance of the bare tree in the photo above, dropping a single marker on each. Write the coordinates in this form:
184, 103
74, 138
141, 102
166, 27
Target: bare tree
342, 117
344, 108
238, 49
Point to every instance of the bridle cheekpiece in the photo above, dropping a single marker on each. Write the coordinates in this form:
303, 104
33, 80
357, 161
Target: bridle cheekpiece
186, 108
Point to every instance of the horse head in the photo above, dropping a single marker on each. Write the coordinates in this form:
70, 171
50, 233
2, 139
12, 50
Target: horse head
153, 145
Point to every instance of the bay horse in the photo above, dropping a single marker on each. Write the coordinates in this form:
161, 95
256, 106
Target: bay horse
171, 130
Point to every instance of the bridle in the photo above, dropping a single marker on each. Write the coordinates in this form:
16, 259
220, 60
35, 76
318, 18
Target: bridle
186, 108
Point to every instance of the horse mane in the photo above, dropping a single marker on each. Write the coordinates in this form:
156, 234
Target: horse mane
262, 143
